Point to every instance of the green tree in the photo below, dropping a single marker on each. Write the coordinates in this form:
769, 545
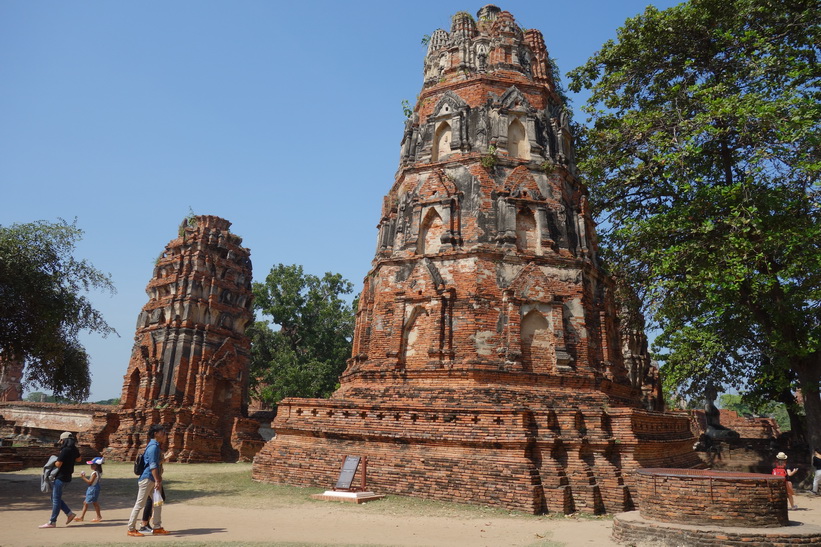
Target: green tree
702, 156
305, 357
42, 307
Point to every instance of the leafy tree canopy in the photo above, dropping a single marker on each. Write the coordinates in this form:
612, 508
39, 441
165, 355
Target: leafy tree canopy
42, 307
305, 357
702, 156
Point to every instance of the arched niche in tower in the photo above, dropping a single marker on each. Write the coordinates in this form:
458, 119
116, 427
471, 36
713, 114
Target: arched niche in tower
430, 233
537, 343
442, 139
527, 232
132, 390
518, 145
517, 120
414, 348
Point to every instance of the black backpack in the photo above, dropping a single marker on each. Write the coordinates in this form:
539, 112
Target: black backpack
139, 464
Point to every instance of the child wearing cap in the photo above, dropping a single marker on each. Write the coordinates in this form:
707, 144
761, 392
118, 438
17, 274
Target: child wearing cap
782, 470
93, 490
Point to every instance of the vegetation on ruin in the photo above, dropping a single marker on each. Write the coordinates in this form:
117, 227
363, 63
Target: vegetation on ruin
43, 309
305, 357
702, 159
489, 160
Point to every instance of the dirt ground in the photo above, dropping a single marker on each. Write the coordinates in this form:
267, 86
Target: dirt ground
237, 520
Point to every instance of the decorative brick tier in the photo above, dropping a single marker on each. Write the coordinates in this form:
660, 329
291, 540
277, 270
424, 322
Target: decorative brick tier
719, 498
633, 529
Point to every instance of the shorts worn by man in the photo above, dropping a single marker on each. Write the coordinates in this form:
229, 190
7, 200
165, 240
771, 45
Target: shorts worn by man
150, 480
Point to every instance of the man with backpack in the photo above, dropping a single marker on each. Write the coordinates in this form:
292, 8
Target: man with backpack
149, 481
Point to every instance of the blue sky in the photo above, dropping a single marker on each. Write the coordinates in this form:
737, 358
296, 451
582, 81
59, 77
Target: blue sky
283, 117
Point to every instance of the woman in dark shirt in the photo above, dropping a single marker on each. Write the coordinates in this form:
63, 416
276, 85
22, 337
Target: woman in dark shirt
69, 454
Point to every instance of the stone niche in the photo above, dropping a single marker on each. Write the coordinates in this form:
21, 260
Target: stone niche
189, 366
487, 361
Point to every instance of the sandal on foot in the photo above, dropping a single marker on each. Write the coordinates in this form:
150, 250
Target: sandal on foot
78, 519
96, 520
70, 518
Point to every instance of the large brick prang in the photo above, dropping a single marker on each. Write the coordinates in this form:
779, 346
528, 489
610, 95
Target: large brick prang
189, 365
487, 362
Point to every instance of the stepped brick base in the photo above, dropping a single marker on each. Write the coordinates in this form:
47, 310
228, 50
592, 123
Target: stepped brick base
193, 437
555, 459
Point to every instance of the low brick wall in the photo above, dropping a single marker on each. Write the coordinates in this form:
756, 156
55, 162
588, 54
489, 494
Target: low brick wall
633, 529
719, 498
36, 456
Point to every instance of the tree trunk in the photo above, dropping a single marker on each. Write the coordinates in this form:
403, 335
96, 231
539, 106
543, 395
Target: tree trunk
808, 370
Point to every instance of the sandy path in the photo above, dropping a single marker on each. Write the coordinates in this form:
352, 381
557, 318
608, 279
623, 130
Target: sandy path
306, 523
325, 524
23, 508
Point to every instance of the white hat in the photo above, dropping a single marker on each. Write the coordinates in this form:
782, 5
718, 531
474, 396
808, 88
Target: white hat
65, 435
781, 456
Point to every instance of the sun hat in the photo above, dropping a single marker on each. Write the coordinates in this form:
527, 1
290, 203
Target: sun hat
98, 460
65, 435
781, 456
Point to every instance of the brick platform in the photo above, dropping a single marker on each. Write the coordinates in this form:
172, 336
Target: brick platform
633, 529
487, 357
717, 498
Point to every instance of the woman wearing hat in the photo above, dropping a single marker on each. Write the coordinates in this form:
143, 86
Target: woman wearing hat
69, 454
782, 470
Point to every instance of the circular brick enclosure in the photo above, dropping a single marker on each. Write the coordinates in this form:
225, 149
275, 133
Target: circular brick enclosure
717, 498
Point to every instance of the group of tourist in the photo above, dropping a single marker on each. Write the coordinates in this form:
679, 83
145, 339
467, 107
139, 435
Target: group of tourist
59, 470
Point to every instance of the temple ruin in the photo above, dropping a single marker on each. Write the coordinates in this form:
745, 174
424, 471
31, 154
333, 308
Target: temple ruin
189, 366
11, 379
487, 360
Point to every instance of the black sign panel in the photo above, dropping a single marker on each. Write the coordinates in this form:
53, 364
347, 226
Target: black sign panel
348, 471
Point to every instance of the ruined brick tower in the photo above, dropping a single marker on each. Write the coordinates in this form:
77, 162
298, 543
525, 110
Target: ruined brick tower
487, 363
189, 366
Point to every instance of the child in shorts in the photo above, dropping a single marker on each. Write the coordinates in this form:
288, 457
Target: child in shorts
93, 490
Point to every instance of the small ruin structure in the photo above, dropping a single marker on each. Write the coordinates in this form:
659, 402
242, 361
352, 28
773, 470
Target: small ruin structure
189, 366
11, 378
694, 507
487, 360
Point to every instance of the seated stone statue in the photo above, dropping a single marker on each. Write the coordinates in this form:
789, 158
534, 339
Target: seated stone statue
712, 415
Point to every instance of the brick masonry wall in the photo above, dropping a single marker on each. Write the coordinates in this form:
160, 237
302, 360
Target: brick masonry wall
712, 497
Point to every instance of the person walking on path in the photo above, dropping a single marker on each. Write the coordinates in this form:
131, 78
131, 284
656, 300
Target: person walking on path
816, 463
69, 454
782, 470
93, 490
149, 481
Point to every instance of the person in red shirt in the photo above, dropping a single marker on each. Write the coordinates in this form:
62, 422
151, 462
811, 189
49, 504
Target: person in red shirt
782, 470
